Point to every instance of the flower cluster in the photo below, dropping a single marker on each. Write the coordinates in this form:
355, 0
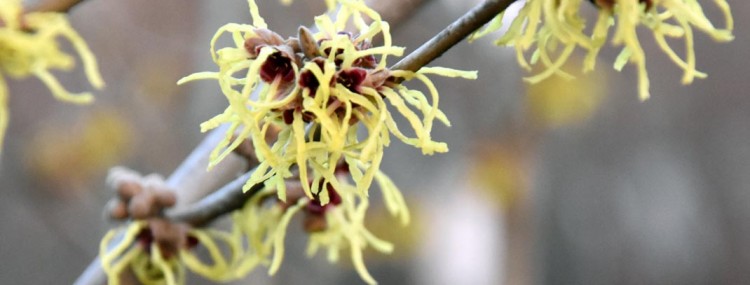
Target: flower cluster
28, 46
160, 252
156, 250
318, 111
337, 225
319, 90
555, 28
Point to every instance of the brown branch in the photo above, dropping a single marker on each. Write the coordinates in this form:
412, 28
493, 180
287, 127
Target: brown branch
227, 199
453, 34
62, 6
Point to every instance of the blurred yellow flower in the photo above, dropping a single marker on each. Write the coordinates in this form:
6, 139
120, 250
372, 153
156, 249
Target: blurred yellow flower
68, 157
554, 28
28, 46
557, 102
256, 238
134, 246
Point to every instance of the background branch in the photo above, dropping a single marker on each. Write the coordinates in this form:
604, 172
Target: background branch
453, 34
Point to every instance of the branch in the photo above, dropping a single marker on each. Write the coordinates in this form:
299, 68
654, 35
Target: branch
61, 6
453, 34
225, 200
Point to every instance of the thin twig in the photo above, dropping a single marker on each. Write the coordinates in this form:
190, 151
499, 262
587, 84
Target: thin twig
62, 6
223, 201
192, 182
452, 35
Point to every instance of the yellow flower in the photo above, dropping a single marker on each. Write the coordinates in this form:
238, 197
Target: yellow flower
28, 46
555, 28
330, 96
256, 238
330, 83
134, 246
337, 226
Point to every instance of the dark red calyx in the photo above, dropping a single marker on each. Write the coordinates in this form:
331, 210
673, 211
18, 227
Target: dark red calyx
192, 241
368, 61
315, 207
288, 115
342, 167
277, 65
145, 238
338, 61
308, 80
351, 78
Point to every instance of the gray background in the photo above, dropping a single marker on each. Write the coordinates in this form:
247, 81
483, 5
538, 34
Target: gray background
651, 192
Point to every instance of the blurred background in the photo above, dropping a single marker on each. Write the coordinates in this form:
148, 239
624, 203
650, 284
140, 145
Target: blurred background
564, 182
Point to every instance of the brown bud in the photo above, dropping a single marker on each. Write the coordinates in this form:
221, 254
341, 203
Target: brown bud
170, 237
126, 190
307, 42
165, 198
143, 206
116, 209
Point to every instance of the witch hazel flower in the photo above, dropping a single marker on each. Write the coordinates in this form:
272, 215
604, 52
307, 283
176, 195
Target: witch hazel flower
335, 226
28, 46
327, 99
159, 251
318, 90
552, 29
